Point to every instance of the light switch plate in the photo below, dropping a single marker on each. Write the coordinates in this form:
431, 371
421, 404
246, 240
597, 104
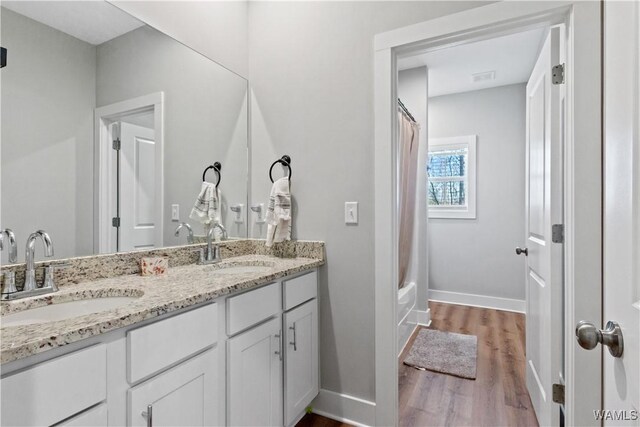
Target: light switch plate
350, 212
175, 212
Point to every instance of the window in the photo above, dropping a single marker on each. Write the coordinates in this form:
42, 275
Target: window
451, 171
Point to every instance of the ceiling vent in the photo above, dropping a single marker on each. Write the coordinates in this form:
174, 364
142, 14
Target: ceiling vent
486, 76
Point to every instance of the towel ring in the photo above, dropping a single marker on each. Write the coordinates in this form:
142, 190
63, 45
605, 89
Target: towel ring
216, 167
284, 161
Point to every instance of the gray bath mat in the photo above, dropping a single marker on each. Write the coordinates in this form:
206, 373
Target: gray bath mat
446, 352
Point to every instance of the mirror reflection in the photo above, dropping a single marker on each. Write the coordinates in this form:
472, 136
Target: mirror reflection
101, 117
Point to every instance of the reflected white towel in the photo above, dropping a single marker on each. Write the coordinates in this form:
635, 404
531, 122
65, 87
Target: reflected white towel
206, 209
279, 212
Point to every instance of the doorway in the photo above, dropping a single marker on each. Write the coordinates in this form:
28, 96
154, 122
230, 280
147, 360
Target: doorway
129, 175
490, 119
577, 181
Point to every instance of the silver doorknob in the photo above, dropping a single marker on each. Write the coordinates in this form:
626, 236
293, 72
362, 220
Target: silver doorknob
588, 336
524, 251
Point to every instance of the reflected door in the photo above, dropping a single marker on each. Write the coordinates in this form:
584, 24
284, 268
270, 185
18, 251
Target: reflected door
137, 188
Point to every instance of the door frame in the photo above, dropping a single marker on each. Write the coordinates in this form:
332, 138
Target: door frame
582, 181
104, 166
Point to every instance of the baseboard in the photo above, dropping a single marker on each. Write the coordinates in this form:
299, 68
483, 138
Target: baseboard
505, 304
421, 317
344, 408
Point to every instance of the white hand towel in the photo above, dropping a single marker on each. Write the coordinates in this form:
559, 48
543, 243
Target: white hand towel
206, 209
279, 212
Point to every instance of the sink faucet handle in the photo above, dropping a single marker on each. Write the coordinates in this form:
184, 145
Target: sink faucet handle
49, 274
9, 283
200, 252
13, 247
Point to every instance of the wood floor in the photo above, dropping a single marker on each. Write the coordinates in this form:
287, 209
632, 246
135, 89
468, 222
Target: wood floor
497, 397
314, 420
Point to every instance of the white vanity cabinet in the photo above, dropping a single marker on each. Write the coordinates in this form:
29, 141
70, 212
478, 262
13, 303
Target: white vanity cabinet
301, 359
54, 390
168, 368
245, 359
255, 376
182, 396
273, 367
185, 394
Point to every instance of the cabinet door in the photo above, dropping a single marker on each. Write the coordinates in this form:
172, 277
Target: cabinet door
255, 376
182, 396
301, 359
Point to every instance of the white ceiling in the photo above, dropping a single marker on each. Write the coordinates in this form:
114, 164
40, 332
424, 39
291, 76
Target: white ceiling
451, 70
94, 22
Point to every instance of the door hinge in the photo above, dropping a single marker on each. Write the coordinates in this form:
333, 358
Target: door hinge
558, 393
557, 233
115, 221
557, 74
117, 144
3, 57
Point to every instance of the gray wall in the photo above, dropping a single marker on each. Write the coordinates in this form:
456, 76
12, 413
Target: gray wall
205, 117
46, 128
477, 256
217, 29
311, 73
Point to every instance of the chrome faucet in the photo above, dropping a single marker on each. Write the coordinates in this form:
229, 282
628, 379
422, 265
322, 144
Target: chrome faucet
30, 273
212, 254
189, 231
13, 247
221, 228
9, 283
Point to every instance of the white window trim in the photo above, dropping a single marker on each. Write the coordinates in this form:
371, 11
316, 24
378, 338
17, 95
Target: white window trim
463, 212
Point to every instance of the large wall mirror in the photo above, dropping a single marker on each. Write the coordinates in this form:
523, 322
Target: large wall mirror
107, 128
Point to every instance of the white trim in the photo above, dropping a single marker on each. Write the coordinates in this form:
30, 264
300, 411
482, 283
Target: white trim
421, 317
485, 20
386, 238
345, 408
404, 346
582, 178
418, 318
104, 240
484, 301
458, 142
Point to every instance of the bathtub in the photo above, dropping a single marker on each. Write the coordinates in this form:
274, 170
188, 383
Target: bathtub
407, 296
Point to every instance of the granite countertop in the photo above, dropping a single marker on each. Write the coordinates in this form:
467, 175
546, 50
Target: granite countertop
180, 288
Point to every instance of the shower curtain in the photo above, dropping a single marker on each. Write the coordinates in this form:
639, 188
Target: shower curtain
408, 142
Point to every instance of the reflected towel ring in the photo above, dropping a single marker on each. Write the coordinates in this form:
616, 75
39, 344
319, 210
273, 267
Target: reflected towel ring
216, 167
284, 161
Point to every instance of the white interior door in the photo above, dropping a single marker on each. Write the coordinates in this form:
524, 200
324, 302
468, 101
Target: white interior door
543, 209
622, 209
137, 192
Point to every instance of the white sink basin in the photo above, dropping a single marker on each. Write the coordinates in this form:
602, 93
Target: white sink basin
242, 269
64, 310
239, 269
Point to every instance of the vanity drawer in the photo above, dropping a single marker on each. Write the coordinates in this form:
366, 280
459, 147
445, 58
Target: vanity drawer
153, 347
252, 307
55, 389
94, 417
300, 289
